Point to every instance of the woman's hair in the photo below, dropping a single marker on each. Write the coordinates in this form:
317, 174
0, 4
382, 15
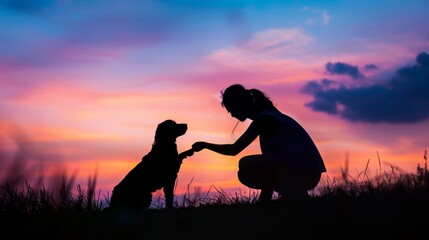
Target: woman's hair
236, 93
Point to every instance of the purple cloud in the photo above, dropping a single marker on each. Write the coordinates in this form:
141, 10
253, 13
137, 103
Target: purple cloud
402, 99
370, 67
340, 68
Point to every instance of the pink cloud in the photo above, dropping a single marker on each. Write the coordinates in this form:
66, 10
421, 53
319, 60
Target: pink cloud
269, 50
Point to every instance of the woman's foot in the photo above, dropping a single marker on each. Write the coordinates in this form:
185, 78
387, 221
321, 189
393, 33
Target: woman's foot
265, 196
301, 196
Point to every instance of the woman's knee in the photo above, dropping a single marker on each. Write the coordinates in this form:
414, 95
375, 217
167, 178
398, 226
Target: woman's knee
249, 179
242, 177
250, 161
313, 180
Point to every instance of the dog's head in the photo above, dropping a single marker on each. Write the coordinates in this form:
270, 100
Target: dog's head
169, 130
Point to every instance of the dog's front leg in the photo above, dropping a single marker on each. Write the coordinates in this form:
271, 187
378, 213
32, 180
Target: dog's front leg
169, 193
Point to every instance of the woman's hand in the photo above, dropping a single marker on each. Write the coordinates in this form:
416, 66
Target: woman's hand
186, 154
198, 146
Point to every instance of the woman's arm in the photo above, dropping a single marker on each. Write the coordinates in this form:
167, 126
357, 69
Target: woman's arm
224, 149
232, 149
186, 154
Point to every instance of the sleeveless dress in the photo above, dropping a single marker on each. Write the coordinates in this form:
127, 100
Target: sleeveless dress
290, 145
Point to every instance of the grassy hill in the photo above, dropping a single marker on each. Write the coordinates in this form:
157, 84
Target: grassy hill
393, 205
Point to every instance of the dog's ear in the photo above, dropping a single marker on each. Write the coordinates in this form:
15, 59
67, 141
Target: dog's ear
169, 130
164, 130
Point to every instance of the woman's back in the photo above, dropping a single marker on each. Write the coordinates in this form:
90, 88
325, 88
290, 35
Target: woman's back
288, 139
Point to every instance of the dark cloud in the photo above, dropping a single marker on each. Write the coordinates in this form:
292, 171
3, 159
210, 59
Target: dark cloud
340, 68
370, 67
402, 99
314, 87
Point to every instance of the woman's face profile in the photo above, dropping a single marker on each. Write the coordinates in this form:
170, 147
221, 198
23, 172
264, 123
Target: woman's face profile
236, 111
235, 102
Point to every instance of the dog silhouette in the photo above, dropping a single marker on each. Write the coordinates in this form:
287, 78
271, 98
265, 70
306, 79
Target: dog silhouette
157, 170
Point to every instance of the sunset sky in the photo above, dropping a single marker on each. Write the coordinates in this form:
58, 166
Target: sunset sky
85, 83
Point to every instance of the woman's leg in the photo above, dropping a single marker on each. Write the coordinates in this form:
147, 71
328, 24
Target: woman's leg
296, 184
265, 195
256, 173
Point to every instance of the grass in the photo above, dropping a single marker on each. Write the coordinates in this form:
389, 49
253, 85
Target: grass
393, 204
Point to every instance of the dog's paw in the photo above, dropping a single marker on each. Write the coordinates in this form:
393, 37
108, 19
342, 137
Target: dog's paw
187, 153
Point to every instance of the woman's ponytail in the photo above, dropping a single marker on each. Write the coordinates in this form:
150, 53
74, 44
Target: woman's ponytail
260, 99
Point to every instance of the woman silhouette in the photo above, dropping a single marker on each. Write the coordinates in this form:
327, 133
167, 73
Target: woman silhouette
290, 163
